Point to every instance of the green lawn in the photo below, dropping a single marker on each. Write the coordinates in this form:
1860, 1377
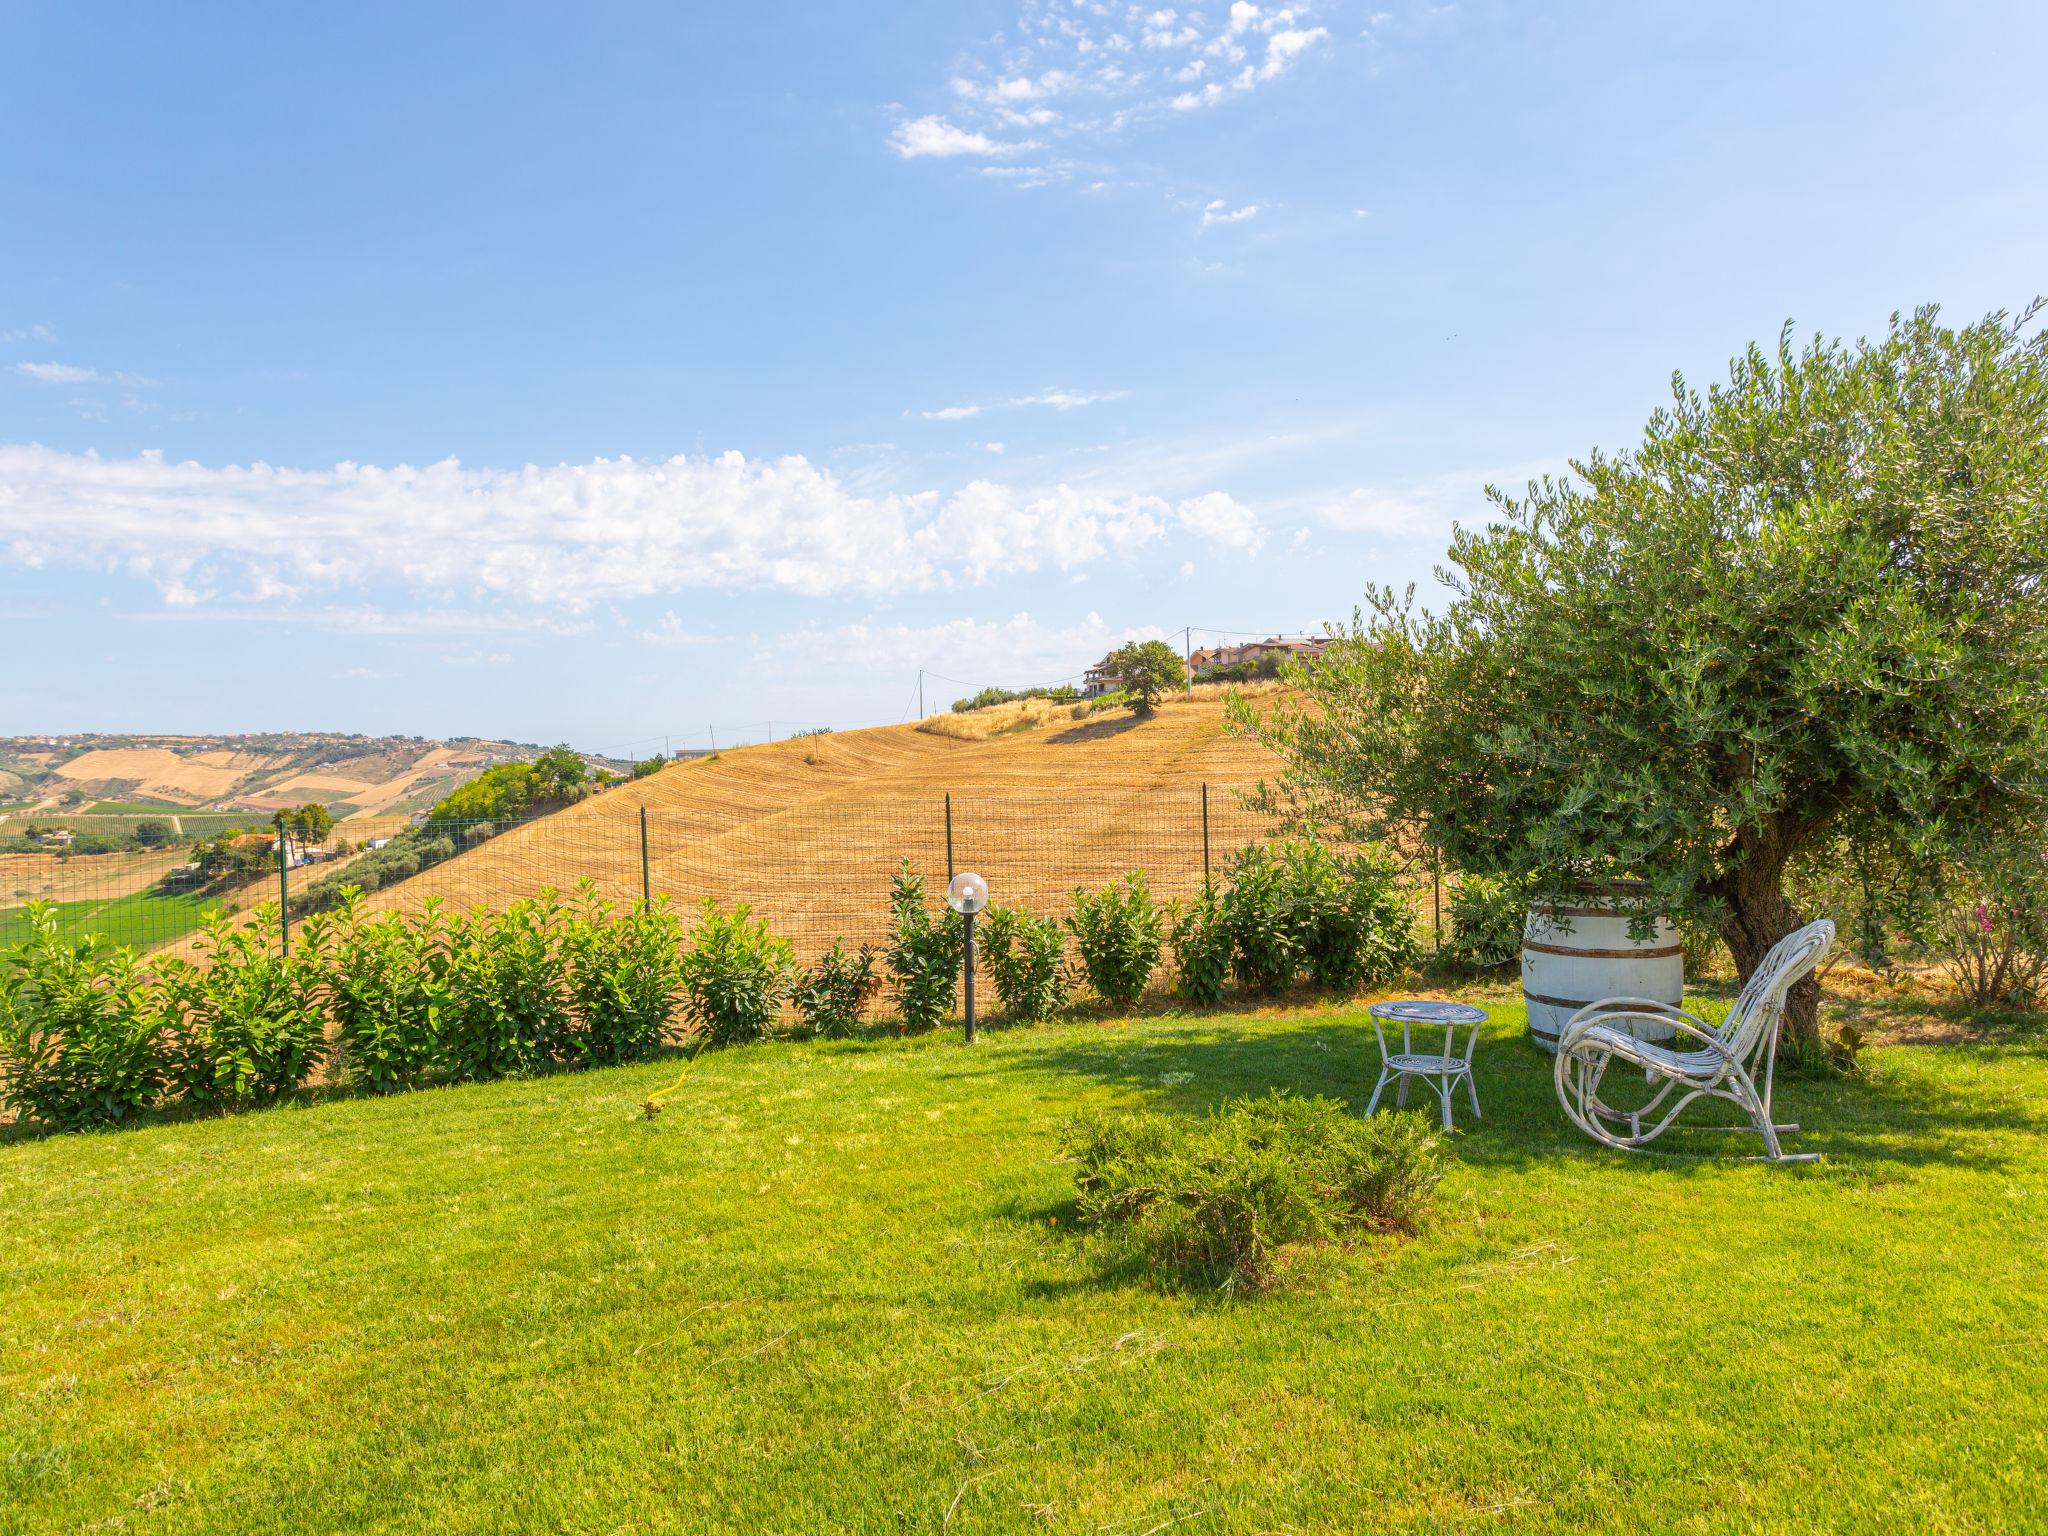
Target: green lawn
836, 1288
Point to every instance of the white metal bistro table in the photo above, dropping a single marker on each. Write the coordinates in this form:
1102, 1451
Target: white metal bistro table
1441, 1071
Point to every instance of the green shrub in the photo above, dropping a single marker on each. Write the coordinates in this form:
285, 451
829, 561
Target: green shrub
830, 997
247, 1023
924, 954
1120, 935
387, 991
1352, 925
1211, 1201
1026, 958
1990, 926
1202, 945
735, 975
1258, 912
625, 979
507, 1009
1487, 915
82, 1041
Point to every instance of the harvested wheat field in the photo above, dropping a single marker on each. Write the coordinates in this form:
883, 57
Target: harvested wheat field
160, 771
808, 831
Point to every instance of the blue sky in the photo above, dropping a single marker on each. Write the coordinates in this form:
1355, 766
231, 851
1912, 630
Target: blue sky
607, 372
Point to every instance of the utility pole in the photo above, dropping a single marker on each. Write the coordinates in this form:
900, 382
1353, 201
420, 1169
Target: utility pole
714, 736
1187, 656
920, 693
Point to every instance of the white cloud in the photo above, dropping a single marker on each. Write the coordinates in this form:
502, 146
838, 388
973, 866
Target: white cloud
58, 373
367, 674
934, 137
1219, 519
1017, 651
36, 332
993, 448
1108, 67
564, 536
1220, 212
1069, 399
1426, 508
952, 413
668, 630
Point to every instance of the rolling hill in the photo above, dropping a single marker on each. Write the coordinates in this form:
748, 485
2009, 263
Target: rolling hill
809, 830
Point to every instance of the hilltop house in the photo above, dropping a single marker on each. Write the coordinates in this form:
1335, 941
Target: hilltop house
1278, 647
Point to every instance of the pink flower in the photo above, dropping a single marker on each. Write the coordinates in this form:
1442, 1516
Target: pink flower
1983, 919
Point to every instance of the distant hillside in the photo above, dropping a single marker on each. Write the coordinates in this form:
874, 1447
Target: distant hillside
144, 775
808, 830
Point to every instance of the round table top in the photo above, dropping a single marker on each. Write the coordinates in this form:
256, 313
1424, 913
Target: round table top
1422, 1010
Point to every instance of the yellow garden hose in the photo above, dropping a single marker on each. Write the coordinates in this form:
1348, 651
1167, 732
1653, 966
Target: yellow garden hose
656, 1100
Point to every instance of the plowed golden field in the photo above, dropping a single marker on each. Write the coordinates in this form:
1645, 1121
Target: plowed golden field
807, 831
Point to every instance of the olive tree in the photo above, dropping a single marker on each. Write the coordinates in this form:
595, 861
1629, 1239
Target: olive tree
1811, 602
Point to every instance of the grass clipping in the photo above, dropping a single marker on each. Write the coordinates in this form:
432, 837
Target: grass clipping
1212, 1202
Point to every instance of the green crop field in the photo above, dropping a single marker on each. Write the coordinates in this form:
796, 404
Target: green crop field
143, 919
133, 808
837, 1287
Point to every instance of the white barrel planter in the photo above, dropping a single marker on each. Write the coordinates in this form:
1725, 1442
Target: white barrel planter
1572, 956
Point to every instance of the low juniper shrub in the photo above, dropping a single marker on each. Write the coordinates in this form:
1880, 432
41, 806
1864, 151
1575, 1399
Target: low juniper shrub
1119, 931
924, 954
735, 975
1213, 1202
833, 993
1026, 959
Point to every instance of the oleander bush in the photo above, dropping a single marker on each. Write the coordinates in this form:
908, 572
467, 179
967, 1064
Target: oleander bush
1352, 924
1487, 916
833, 993
735, 975
507, 1001
625, 979
1199, 931
1258, 912
387, 992
1026, 959
1120, 933
1213, 1202
924, 954
82, 1037
246, 1023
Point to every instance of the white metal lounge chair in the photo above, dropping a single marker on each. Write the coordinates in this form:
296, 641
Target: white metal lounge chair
1699, 1061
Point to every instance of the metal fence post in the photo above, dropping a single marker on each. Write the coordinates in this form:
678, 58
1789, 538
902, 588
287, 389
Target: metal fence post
1205, 832
1436, 891
284, 893
949, 837
646, 884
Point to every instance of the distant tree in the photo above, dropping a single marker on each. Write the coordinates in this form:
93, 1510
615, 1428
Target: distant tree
648, 765
152, 832
558, 774
1810, 604
1147, 669
307, 823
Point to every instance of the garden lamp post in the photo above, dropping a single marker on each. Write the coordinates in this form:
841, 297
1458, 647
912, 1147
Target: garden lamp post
967, 894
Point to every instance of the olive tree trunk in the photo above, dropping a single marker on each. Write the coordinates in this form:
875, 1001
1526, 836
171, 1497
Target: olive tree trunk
1756, 913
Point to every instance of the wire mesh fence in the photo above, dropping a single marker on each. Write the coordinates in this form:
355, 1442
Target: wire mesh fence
817, 872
